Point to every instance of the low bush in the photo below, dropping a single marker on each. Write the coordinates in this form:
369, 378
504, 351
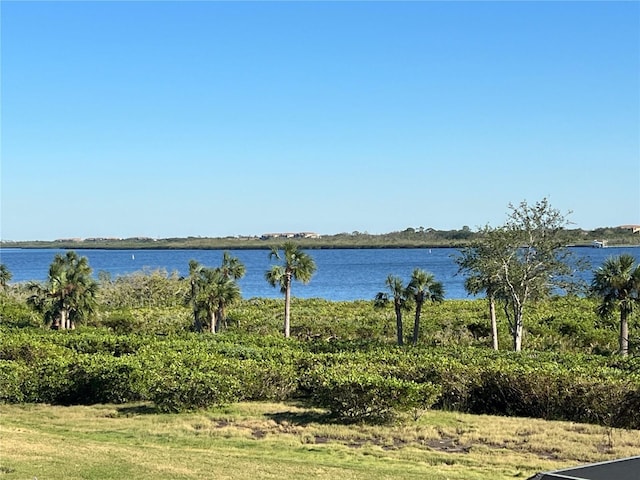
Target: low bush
356, 395
102, 378
268, 380
12, 377
355, 380
184, 391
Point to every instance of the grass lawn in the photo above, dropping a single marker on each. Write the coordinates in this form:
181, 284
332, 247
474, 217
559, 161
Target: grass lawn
250, 441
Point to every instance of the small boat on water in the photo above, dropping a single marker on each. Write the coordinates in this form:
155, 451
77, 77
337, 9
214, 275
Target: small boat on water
599, 244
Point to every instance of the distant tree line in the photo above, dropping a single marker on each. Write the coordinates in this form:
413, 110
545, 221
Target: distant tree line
514, 265
411, 237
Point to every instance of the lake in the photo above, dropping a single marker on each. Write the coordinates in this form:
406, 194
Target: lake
342, 274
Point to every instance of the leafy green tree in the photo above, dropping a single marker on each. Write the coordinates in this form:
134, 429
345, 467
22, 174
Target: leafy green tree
5, 275
523, 260
144, 288
483, 266
396, 293
296, 265
423, 287
68, 296
535, 261
617, 284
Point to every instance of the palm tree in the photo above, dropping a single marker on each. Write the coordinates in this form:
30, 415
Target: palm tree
484, 275
477, 283
212, 290
69, 294
423, 287
5, 276
216, 293
617, 283
398, 293
296, 265
232, 267
195, 269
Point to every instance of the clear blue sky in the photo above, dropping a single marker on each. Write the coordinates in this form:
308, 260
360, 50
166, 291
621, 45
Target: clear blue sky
168, 119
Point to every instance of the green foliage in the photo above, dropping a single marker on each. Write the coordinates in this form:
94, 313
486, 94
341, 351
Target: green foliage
146, 288
519, 262
121, 321
617, 284
200, 373
344, 358
15, 313
157, 320
355, 380
419, 237
12, 375
212, 290
180, 389
294, 265
69, 295
355, 394
269, 379
5, 276
102, 378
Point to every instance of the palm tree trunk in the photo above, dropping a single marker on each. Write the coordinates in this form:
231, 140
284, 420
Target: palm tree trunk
55, 323
624, 333
399, 325
287, 310
63, 319
494, 322
212, 321
416, 323
197, 325
220, 318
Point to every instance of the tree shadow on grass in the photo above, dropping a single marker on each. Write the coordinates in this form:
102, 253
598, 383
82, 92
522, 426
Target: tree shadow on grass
312, 414
301, 417
134, 410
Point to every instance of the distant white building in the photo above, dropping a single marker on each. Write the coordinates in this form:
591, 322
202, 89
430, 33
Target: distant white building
633, 228
269, 236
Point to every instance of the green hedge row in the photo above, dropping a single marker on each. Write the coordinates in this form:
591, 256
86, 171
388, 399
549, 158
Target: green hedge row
353, 381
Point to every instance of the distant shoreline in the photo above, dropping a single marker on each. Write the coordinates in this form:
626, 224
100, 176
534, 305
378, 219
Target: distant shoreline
421, 237
257, 244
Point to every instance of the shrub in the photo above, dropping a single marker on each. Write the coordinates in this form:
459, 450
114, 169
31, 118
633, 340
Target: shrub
102, 378
184, 390
267, 380
50, 381
361, 396
12, 375
14, 313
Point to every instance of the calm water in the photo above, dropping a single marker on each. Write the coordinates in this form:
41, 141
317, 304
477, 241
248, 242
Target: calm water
348, 274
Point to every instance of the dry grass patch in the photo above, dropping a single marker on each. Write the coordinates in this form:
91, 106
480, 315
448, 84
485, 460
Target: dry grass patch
287, 441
